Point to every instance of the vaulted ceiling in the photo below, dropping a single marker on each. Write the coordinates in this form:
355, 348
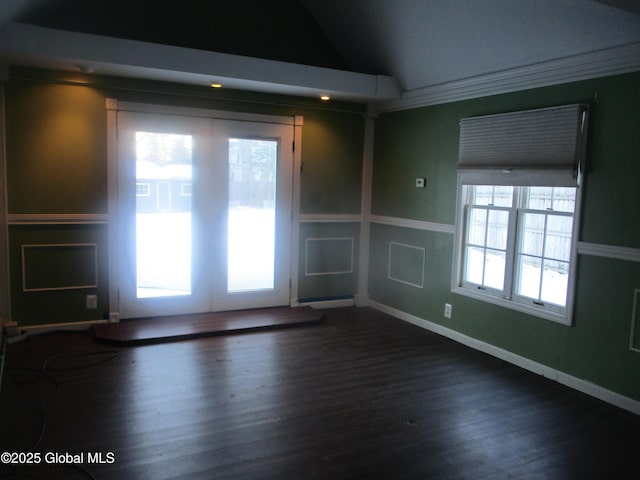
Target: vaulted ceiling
364, 50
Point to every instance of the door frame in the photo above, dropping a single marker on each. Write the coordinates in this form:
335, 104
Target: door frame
113, 106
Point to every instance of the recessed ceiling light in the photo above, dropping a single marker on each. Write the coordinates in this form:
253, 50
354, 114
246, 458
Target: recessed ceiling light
216, 85
325, 97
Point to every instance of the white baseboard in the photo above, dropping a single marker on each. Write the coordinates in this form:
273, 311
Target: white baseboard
321, 304
361, 300
561, 377
51, 327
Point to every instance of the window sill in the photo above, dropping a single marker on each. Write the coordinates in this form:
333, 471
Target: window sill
562, 319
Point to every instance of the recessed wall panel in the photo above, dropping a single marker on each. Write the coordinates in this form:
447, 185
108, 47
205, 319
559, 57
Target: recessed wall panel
406, 264
329, 256
59, 267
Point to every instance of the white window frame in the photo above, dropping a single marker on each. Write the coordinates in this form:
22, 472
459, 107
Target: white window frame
507, 297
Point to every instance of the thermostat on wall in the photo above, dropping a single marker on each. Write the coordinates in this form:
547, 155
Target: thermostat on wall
421, 182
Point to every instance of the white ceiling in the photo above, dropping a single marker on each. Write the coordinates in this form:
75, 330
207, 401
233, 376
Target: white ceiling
422, 43
393, 47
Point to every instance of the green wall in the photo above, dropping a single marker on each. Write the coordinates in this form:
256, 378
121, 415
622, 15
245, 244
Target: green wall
423, 142
329, 267
56, 163
56, 149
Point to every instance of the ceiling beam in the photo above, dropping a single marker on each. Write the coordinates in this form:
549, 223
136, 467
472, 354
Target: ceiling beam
30, 45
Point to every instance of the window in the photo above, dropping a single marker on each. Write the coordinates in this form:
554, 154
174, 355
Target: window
185, 189
517, 244
143, 189
519, 204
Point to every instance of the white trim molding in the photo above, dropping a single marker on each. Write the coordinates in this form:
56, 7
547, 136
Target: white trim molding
601, 63
322, 304
53, 48
208, 113
57, 218
362, 286
629, 254
563, 378
52, 327
330, 218
609, 251
415, 224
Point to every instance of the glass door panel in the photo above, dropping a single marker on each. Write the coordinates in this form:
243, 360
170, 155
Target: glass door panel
163, 214
256, 245
161, 270
252, 214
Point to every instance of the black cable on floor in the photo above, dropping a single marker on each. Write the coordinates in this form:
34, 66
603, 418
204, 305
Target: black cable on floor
30, 376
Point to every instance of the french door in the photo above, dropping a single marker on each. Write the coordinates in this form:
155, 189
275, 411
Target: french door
204, 214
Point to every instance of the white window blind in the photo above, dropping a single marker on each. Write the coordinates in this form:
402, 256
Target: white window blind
533, 147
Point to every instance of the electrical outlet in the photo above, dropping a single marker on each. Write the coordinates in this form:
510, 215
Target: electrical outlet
421, 182
448, 308
91, 302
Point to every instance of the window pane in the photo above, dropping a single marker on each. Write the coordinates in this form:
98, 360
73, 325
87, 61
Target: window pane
494, 269
503, 196
564, 199
477, 226
528, 281
558, 242
555, 281
539, 198
500, 196
474, 265
561, 199
482, 195
532, 239
497, 229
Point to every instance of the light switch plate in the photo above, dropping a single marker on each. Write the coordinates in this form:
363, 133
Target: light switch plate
421, 182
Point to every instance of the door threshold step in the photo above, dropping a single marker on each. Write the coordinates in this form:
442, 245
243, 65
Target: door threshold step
182, 327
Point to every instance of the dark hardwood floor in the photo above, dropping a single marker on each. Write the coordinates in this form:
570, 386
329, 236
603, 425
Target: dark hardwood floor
361, 395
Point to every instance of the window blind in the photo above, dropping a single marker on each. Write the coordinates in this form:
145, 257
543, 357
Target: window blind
533, 147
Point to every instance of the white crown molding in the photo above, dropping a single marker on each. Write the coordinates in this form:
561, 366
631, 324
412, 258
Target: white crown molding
601, 63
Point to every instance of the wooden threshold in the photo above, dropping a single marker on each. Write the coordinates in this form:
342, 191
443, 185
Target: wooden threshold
182, 327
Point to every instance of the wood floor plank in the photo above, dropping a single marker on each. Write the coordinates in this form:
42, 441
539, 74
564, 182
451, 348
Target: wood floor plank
362, 395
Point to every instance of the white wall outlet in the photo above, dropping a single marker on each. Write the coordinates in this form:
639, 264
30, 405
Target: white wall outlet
91, 302
421, 182
448, 309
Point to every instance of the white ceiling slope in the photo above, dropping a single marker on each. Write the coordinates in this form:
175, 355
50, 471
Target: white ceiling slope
423, 43
414, 51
